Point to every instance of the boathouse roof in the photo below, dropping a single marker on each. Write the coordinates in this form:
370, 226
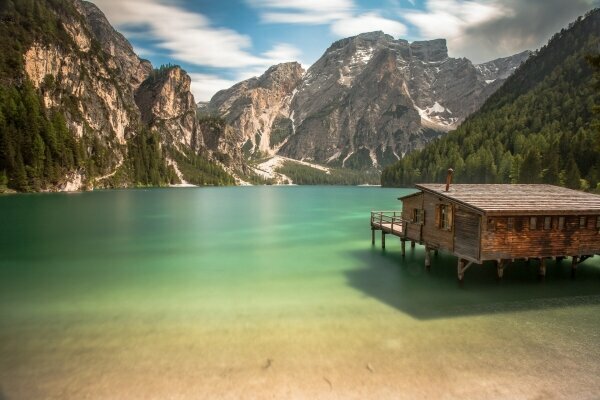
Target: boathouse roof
517, 199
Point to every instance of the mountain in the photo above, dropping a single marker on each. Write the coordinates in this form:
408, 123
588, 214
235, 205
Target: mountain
367, 101
539, 126
259, 108
79, 109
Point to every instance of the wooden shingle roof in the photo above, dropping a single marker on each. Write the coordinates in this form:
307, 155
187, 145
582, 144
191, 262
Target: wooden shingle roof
508, 199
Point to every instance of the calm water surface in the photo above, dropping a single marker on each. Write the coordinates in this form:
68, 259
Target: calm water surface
271, 292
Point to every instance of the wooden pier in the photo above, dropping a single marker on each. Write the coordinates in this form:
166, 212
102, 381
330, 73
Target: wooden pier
499, 223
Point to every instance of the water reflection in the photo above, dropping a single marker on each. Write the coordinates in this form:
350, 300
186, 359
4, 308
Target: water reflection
404, 284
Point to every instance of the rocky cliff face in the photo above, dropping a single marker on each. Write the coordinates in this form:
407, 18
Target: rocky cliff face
88, 86
259, 108
367, 101
167, 106
132, 68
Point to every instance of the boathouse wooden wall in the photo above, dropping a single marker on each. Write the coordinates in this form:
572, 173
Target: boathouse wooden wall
432, 234
428, 232
467, 233
409, 204
499, 241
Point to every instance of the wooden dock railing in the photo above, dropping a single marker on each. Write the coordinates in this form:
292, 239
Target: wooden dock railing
387, 221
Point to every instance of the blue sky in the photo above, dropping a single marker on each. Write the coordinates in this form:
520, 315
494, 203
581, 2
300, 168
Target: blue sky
220, 42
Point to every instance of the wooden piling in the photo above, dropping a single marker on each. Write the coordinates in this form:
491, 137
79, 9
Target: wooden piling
460, 269
500, 268
403, 246
542, 268
427, 258
574, 262
372, 237
383, 240
412, 244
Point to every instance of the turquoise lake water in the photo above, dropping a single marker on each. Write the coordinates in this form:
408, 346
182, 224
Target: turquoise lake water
272, 292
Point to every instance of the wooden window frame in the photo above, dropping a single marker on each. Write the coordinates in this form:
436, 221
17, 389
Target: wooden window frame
491, 225
418, 216
582, 222
532, 223
561, 223
547, 223
444, 217
510, 223
598, 222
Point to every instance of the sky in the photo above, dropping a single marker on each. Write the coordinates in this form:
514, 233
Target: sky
221, 42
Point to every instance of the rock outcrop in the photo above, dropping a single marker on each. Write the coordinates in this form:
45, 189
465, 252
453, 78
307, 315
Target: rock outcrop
259, 108
167, 105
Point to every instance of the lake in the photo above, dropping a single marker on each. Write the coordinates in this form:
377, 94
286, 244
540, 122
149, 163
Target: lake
272, 292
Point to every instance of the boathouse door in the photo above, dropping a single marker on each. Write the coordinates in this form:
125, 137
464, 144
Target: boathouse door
466, 234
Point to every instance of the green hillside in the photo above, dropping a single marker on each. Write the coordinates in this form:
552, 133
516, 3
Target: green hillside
541, 126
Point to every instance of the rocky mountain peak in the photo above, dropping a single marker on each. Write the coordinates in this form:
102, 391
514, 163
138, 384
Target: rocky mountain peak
502, 68
166, 101
114, 43
368, 100
429, 50
281, 76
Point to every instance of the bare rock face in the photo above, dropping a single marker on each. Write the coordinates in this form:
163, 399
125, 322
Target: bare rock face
114, 43
86, 84
168, 106
367, 101
259, 108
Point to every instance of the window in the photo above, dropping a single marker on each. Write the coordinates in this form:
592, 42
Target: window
532, 223
561, 223
598, 222
582, 222
491, 225
510, 224
547, 223
418, 216
444, 217
519, 224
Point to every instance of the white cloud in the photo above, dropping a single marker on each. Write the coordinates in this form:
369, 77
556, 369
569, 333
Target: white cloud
450, 18
190, 37
303, 11
204, 86
367, 23
341, 15
488, 29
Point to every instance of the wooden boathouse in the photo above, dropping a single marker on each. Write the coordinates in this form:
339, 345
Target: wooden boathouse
498, 222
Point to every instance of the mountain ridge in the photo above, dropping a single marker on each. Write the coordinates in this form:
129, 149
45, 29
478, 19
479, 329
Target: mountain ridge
336, 114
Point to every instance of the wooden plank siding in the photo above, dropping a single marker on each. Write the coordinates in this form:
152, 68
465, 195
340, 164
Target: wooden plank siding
501, 242
432, 234
409, 204
467, 234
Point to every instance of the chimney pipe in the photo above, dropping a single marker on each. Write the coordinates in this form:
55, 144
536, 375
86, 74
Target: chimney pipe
449, 179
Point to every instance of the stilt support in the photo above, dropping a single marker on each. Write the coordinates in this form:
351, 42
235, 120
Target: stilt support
372, 237
574, 262
403, 246
542, 268
383, 240
500, 268
435, 252
463, 265
427, 258
412, 244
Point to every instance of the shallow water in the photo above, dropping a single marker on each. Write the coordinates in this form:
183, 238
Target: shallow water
271, 292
